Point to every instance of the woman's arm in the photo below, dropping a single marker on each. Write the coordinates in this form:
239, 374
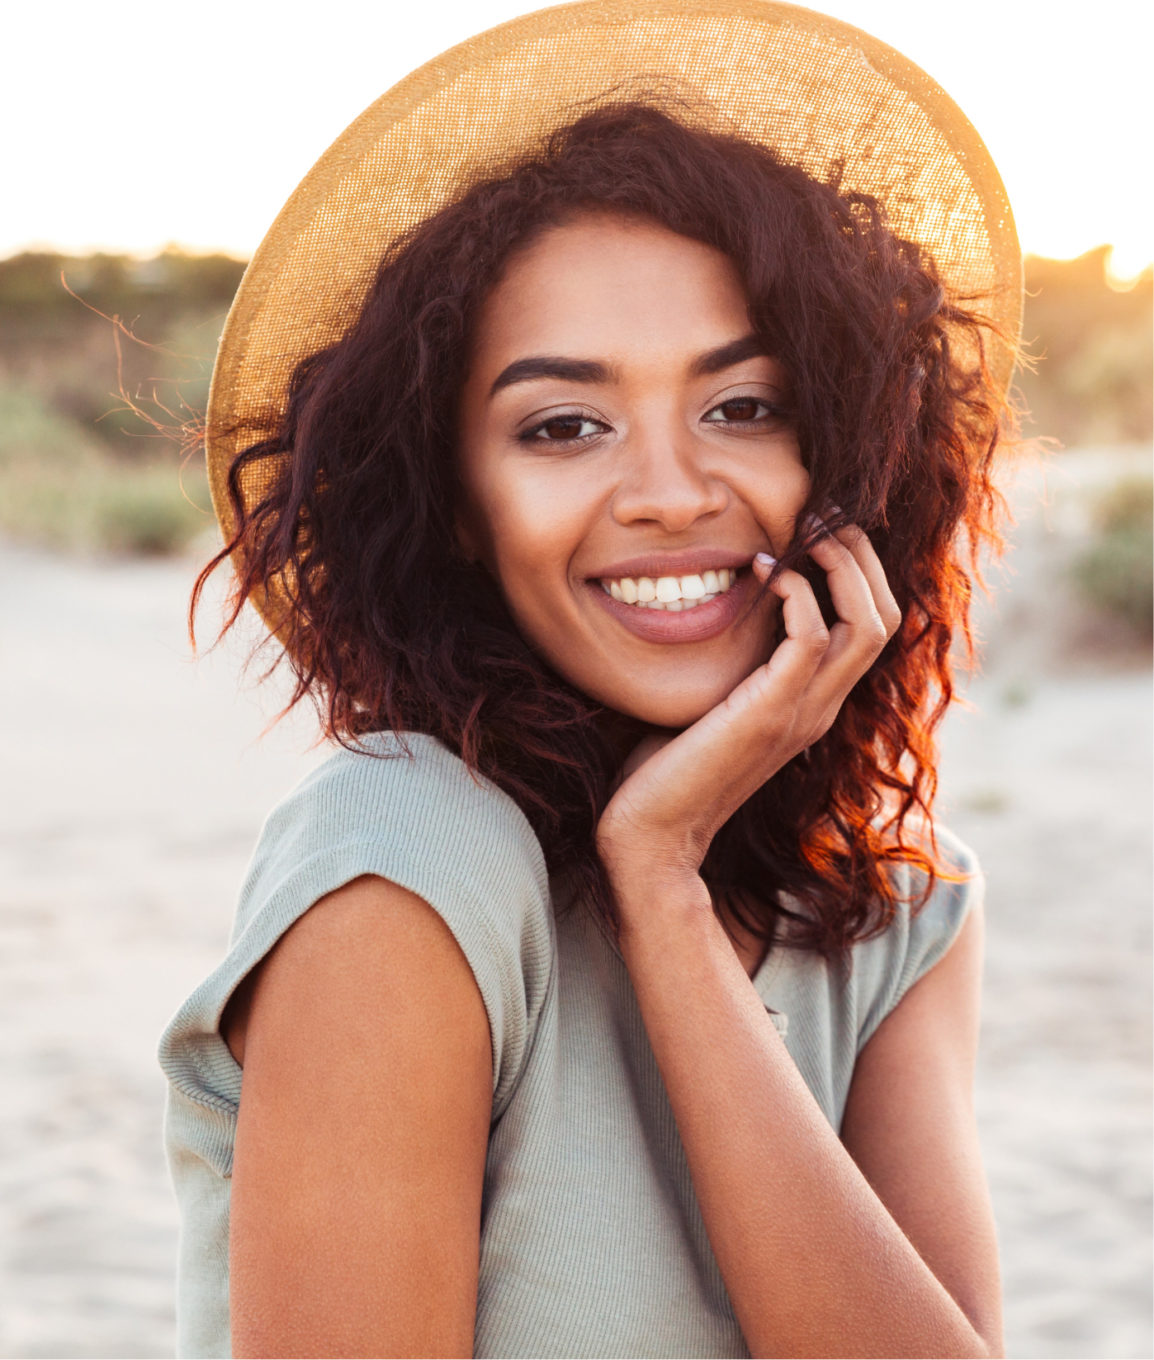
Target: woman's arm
363, 1128
814, 1261
909, 1125
890, 1255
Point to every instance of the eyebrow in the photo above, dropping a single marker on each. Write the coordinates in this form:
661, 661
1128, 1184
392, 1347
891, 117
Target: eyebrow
549, 366
591, 371
726, 356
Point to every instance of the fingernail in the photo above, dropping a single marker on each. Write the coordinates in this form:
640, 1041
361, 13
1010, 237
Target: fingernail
763, 559
814, 524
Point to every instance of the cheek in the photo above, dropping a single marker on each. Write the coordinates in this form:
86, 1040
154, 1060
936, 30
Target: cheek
777, 502
527, 531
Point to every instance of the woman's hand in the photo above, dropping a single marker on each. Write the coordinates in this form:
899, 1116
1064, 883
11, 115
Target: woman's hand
679, 791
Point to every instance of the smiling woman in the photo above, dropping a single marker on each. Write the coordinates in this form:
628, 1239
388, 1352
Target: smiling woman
609, 991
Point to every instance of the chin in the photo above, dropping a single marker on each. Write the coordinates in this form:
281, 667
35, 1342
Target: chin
675, 711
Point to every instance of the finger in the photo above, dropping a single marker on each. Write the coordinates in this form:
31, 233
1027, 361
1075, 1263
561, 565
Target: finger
755, 716
807, 637
860, 633
645, 749
767, 718
857, 541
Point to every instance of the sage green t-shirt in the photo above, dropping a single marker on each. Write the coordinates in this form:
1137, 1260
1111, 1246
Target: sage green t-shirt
592, 1242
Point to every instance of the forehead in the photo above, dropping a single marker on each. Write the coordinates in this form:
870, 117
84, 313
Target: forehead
601, 281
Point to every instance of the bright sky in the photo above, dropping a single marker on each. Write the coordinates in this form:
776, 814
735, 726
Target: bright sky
130, 123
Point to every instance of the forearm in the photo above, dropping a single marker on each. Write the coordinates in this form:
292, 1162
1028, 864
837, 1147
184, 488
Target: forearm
813, 1262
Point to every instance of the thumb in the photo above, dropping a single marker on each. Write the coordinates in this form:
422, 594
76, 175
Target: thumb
645, 748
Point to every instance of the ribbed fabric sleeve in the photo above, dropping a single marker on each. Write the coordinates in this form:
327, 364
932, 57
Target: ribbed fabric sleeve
422, 821
891, 964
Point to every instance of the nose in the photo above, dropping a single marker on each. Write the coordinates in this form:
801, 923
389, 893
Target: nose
665, 481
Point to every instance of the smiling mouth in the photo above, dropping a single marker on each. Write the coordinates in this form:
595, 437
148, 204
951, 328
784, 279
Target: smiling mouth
672, 594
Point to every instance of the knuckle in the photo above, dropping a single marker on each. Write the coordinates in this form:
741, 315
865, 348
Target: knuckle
816, 729
761, 685
876, 633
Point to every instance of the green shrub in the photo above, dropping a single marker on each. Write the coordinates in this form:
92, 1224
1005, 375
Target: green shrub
105, 508
144, 512
32, 432
60, 488
1116, 571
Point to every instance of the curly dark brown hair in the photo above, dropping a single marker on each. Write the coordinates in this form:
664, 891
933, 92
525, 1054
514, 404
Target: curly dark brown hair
897, 419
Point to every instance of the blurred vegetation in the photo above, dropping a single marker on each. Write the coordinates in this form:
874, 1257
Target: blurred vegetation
61, 487
1094, 351
1116, 570
83, 340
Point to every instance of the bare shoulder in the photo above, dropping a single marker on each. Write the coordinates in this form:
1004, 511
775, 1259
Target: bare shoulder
367, 944
362, 1133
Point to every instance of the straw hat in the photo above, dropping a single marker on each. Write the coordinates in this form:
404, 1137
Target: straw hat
814, 88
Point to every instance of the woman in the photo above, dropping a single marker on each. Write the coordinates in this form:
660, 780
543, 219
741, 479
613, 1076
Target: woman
609, 992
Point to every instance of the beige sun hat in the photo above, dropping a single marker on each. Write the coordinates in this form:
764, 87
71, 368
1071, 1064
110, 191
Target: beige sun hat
817, 90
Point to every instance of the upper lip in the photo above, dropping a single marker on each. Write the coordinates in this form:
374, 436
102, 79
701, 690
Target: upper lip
686, 562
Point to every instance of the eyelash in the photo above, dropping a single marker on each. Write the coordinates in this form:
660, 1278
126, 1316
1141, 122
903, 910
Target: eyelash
530, 436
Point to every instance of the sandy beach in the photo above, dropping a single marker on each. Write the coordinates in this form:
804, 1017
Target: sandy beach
135, 783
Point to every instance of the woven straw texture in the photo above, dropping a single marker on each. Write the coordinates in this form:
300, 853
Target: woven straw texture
814, 88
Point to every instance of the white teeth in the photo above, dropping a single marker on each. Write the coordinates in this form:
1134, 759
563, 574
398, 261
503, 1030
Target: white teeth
672, 593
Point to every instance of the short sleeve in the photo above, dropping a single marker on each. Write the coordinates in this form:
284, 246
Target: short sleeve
410, 812
889, 965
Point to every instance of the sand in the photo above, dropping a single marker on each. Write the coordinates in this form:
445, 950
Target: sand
136, 781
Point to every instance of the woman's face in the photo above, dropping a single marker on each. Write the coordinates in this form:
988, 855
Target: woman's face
622, 437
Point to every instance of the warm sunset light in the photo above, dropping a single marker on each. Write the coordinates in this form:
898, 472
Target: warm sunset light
500, 504
131, 125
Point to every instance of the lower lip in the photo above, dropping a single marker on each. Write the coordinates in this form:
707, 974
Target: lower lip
698, 624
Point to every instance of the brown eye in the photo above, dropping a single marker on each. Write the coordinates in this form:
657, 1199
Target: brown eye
565, 428
741, 408
562, 427
745, 411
